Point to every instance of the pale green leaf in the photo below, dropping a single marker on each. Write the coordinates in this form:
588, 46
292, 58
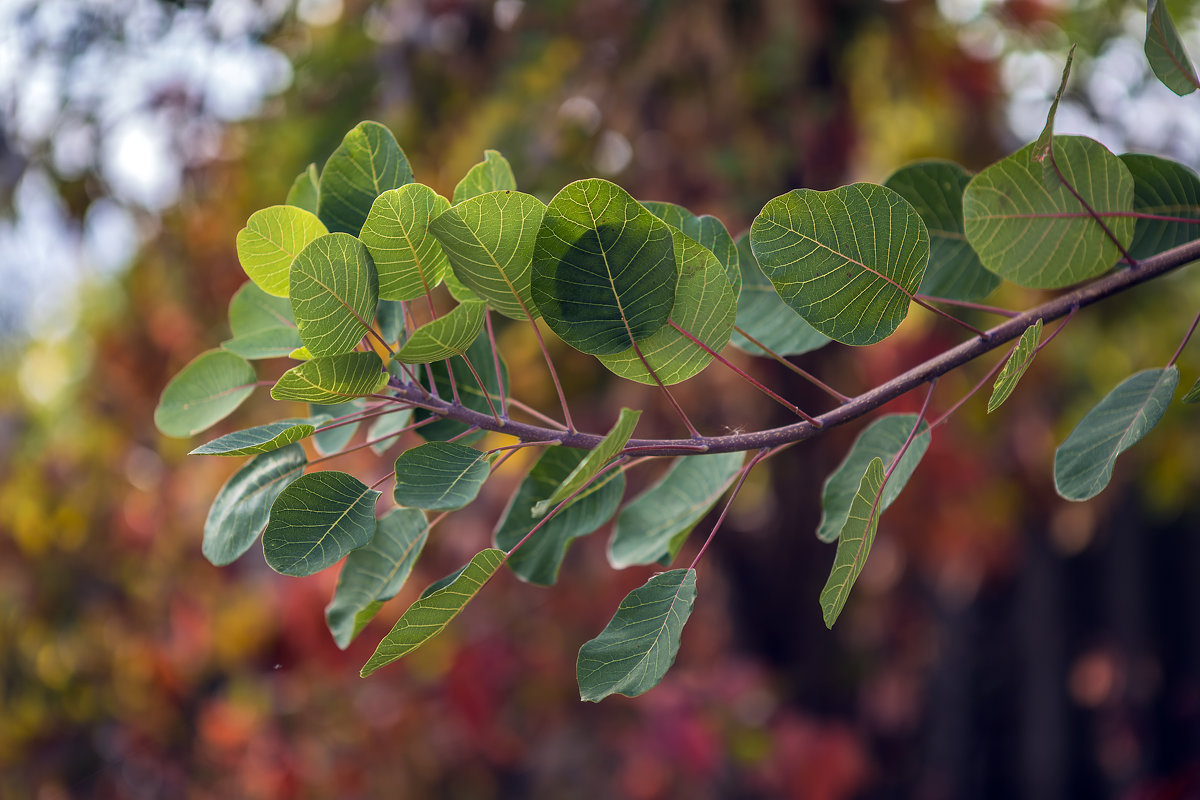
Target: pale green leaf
271, 240
439, 476
593, 462
763, 314
1165, 51
706, 230
261, 324
260, 439
390, 316
1015, 366
448, 335
204, 392
317, 520
239, 512
304, 189
493, 174
394, 422
366, 164
332, 379
1162, 188
332, 440
334, 294
854, 542
409, 260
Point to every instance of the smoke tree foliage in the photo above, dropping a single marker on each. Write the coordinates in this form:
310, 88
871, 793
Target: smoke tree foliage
342, 281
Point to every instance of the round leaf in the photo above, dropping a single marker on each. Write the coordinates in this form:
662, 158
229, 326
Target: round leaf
409, 260
271, 240
763, 314
334, 294
708, 231
203, 393
316, 521
365, 165
439, 476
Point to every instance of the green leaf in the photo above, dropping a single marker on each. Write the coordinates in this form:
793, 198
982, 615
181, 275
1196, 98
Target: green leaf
593, 462
763, 314
448, 335
332, 440
539, 559
1043, 147
271, 240
262, 324
473, 397
1163, 188
1083, 464
604, 271
409, 260
1044, 238
204, 392
430, 615
393, 422
935, 189
366, 164
633, 653
440, 476
847, 260
857, 536
1193, 394
316, 521
1014, 368
375, 572
260, 439
303, 193
239, 512
334, 294
459, 290
1165, 51
655, 524
332, 379
493, 174
882, 439
705, 307
489, 240
706, 230
390, 315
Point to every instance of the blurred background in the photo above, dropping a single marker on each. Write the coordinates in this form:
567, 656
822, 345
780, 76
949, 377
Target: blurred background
1001, 642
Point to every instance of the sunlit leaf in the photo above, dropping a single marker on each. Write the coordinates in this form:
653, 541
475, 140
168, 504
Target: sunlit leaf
317, 520
439, 476
655, 524
706, 230
334, 294
303, 193
633, 653
882, 439
540, 558
204, 392
271, 240
1045, 238
239, 512
854, 542
483, 358
593, 462
1165, 51
260, 439
847, 260
409, 260
493, 174
1014, 368
763, 314
603, 269
375, 572
366, 164
448, 335
1083, 464
1167, 189
332, 379
430, 615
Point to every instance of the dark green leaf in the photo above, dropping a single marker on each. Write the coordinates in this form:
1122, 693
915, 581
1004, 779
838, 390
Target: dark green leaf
239, 512
1165, 51
260, 439
763, 314
854, 543
1014, 368
440, 476
304, 190
330, 380
317, 520
1162, 188
706, 230
493, 174
271, 240
366, 164
409, 260
334, 294
203, 393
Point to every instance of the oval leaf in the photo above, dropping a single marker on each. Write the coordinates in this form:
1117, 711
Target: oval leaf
203, 393
1165, 51
848, 261
854, 544
239, 512
430, 615
493, 174
334, 294
260, 439
1162, 188
706, 230
633, 653
1015, 366
410, 262
593, 462
1043, 237
332, 379
316, 521
448, 335
366, 164
1083, 464
271, 240
440, 476
763, 315
603, 268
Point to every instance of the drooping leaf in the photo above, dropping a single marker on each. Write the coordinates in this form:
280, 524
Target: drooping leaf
443, 582
271, 240
1044, 238
539, 559
854, 543
1167, 189
390, 423
882, 439
303, 193
332, 379
260, 439
1165, 51
493, 174
1014, 368
603, 268
935, 189
204, 392
1193, 394
366, 164
706, 230
633, 653
847, 260
593, 462
375, 572
705, 307
430, 615
489, 240
239, 512
1083, 464
390, 316
262, 324
763, 314
334, 294
1043, 147
474, 397
448, 335
330, 440
440, 476
316, 521
655, 524
409, 260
